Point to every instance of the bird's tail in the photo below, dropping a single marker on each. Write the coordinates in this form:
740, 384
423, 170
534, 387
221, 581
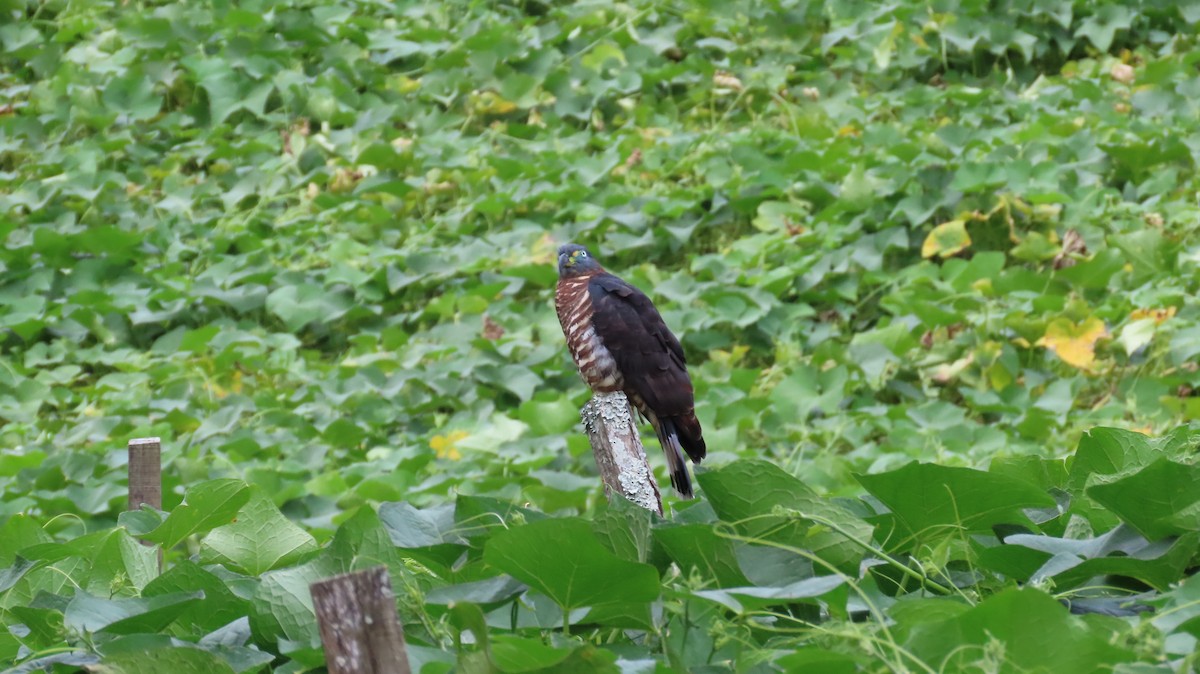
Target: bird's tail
691, 437
668, 437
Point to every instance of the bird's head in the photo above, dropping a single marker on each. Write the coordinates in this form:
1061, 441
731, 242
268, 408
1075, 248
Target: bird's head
574, 260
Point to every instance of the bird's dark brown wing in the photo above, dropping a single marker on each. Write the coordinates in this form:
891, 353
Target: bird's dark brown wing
649, 357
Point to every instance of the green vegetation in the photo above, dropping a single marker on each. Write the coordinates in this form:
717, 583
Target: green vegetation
935, 266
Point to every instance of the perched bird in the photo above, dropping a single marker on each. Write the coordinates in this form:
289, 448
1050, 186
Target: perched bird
620, 343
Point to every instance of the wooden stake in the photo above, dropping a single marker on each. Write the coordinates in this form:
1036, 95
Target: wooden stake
356, 613
145, 473
145, 478
617, 446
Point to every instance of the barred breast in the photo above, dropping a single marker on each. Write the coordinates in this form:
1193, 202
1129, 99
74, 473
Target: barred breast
573, 303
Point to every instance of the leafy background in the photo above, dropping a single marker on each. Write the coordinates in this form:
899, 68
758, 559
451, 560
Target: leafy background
310, 245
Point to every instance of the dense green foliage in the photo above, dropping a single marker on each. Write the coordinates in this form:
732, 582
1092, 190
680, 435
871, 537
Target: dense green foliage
310, 245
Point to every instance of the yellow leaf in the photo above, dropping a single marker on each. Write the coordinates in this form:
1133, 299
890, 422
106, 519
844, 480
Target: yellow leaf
946, 239
490, 103
1075, 343
444, 445
1159, 315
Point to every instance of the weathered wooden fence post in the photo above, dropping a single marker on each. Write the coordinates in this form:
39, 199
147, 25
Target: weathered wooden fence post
617, 446
145, 478
356, 613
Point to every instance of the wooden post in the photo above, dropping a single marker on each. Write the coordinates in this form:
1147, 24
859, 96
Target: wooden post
617, 446
145, 473
145, 478
356, 613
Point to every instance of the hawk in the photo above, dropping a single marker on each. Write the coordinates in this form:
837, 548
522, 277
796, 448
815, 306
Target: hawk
620, 343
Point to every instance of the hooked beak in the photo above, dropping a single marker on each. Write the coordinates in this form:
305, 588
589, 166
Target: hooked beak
565, 260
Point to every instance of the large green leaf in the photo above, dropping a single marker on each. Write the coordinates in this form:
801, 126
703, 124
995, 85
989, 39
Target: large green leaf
14, 573
132, 94
281, 604
927, 501
219, 607
625, 529
1027, 627
259, 540
581, 572
740, 598
300, 305
205, 506
87, 613
1158, 500
1107, 452
1179, 609
699, 546
1120, 552
762, 501
179, 660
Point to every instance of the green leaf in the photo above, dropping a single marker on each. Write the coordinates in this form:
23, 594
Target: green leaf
768, 566
411, 527
488, 591
1045, 474
230, 644
228, 90
514, 654
14, 573
96, 561
1108, 451
361, 542
43, 617
476, 516
928, 501
1102, 25
1120, 552
779, 215
1156, 500
582, 572
813, 659
299, 305
1179, 609
549, 417
219, 607
259, 540
698, 547
1136, 335
625, 529
1033, 630
180, 660
132, 94
740, 598
762, 501
1036, 247
1147, 250
87, 613
205, 506
281, 604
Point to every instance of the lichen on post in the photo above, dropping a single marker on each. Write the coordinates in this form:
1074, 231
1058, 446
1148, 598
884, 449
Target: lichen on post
617, 446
